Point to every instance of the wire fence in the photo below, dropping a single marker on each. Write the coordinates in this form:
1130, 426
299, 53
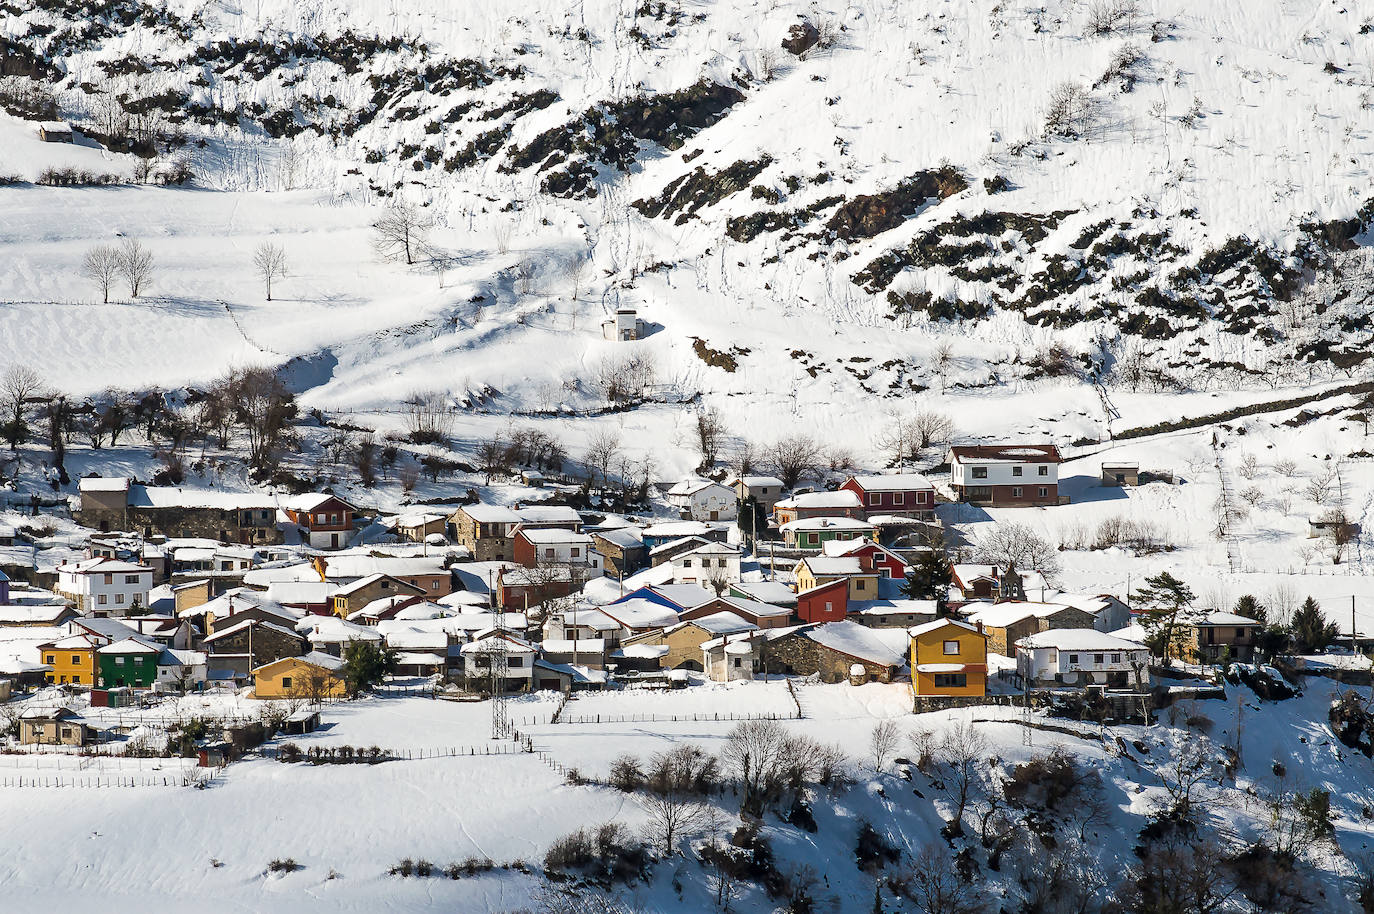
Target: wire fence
412, 754
197, 777
658, 718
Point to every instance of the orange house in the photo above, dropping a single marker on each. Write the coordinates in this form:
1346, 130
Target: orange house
949, 659
72, 660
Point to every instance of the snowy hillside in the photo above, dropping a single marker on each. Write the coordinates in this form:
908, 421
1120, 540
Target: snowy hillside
921, 176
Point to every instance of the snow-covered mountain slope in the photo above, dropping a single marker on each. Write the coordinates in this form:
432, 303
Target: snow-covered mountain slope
1175, 184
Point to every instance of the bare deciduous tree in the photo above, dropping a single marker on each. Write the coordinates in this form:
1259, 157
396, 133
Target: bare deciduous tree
794, 457
672, 817
101, 266
710, 429
428, 417
401, 232
960, 753
601, 452
936, 887
1007, 544
883, 742
1071, 112
135, 265
19, 385
270, 262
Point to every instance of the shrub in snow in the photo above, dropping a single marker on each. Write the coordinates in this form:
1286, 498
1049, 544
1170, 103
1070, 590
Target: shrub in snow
873, 851
1045, 781
283, 865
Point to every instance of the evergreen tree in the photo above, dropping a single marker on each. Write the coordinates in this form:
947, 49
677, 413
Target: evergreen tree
366, 664
1251, 608
1163, 603
752, 520
929, 577
1310, 628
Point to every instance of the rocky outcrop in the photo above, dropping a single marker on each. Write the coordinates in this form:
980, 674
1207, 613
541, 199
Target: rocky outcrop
801, 38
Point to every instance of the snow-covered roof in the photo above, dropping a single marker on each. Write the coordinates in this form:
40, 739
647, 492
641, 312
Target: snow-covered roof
554, 536
412, 638
624, 537
419, 520
131, 646
1006, 453
240, 626
721, 623
1000, 615
571, 645
548, 514
490, 514
688, 487
826, 523
937, 624
709, 549
1224, 618
969, 573
103, 566
514, 645
840, 498
55, 127
594, 619
893, 607
178, 497
756, 608
314, 658
887, 646
758, 482
640, 652
893, 482
639, 613
836, 566
1078, 639
676, 544
678, 528
104, 484
687, 596
420, 658
774, 592
301, 592
36, 614
333, 630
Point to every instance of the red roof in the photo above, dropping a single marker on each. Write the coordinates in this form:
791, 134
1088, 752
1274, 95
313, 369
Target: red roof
1029, 453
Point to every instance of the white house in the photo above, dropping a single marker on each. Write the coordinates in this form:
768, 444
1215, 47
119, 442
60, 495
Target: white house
702, 499
520, 656
175, 667
708, 565
104, 587
1081, 657
1005, 475
554, 546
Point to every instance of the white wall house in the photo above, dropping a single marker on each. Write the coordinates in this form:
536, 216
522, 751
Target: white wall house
555, 546
701, 499
707, 564
1081, 657
105, 587
1008, 475
766, 490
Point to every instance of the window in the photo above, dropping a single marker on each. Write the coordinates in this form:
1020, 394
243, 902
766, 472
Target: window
109, 579
130, 579
1042, 471
1044, 492
50, 659
119, 598
737, 663
517, 661
813, 538
433, 585
874, 498
76, 660
860, 584
576, 551
721, 563
333, 518
548, 553
921, 497
686, 563
1016, 471
76, 680
101, 599
1116, 658
66, 732
898, 498
1240, 633
119, 661
829, 607
1097, 658
980, 472
319, 518
951, 648
951, 680
1015, 491
286, 682
1073, 658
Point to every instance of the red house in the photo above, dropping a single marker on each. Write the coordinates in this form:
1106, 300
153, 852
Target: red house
825, 602
872, 557
325, 521
909, 494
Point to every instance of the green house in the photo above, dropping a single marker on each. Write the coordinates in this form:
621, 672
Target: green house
815, 532
131, 662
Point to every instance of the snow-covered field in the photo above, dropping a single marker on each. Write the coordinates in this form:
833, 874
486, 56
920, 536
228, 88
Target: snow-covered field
346, 825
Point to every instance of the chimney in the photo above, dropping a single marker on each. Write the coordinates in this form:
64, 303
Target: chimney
980, 628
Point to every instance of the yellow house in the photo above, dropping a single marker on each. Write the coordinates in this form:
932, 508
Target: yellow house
315, 676
72, 660
817, 570
949, 658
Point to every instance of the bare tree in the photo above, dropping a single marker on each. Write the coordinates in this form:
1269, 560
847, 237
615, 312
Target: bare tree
401, 232
960, 753
757, 753
710, 429
745, 458
525, 273
428, 417
1071, 112
19, 385
576, 269
672, 817
135, 265
883, 742
943, 361
601, 452
101, 266
931, 429
936, 887
1007, 544
794, 457
270, 262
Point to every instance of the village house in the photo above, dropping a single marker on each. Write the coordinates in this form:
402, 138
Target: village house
837, 652
324, 521
656, 535
703, 500
622, 551
731, 658
313, 676
1005, 476
909, 494
713, 565
131, 662
105, 587
666, 552
638, 616
1109, 613
533, 547
582, 625
892, 613
60, 726
815, 570
55, 132
1081, 657
117, 503
522, 588
872, 557
477, 657
828, 602
484, 530
775, 592
762, 615
418, 528
949, 658
35, 615
766, 490
240, 648
1207, 639
71, 659
351, 597
1009, 622
842, 503
684, 640
331, 635
181, 669
815, 532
